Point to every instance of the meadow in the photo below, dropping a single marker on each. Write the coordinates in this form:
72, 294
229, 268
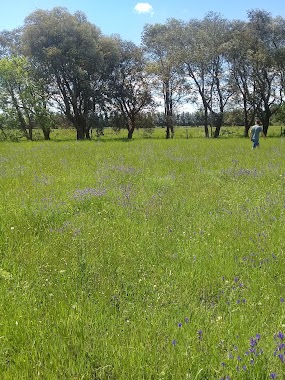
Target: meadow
147, 259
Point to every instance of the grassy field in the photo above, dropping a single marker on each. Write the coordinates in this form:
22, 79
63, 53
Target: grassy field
145, 259
159, 133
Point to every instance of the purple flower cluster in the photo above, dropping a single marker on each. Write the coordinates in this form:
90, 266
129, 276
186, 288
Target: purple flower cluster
42, 180
125, 169
247, 360
200, 334
253, 346
280, 346
255, 351
240, 172
236, 287
254, 260
88, 192
64, 228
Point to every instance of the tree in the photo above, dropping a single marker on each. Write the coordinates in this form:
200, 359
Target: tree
279, 116
242, 71
202, 46
128, 87
159, 41
10, 42
65, 49
22, 97
266, 78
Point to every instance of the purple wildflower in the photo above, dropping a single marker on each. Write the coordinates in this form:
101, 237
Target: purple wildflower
253, 342
80, 194
200, 334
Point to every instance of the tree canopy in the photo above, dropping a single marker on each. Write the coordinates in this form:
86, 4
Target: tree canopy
60, 62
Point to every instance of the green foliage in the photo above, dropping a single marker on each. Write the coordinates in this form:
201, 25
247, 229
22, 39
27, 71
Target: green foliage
117, 122
71, 61
23, 98
231, 70
279, 117
146, 123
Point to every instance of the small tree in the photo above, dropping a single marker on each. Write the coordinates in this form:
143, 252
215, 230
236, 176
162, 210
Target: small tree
22, 97
66, 50
128, 88
117, 121
159, 41
147, 124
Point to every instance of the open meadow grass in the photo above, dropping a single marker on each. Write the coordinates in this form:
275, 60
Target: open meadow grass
145, 259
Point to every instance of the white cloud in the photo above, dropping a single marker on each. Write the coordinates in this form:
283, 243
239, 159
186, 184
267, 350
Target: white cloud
143, 8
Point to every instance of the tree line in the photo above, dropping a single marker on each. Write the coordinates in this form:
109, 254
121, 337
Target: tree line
59, 65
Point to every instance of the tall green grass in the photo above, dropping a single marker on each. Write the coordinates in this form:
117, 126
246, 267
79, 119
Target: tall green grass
143, 259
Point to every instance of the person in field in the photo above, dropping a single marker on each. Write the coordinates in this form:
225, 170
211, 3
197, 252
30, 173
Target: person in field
255, 132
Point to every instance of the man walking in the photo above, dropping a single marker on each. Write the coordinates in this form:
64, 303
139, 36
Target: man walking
255, 132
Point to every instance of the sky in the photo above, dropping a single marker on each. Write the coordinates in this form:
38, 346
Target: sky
128, 17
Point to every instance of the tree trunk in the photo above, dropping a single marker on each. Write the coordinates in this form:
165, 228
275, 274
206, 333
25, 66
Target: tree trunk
206, 128
131, 124
218, 124
87, 134
217, 131
21, 119
80, 135
46, 133
30, 131
167, 132
265, 125
246, 129
130, 133
168, 111
81, 127
246, 122
169, 127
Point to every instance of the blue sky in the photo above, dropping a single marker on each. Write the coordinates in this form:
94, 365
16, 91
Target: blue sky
127, 17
